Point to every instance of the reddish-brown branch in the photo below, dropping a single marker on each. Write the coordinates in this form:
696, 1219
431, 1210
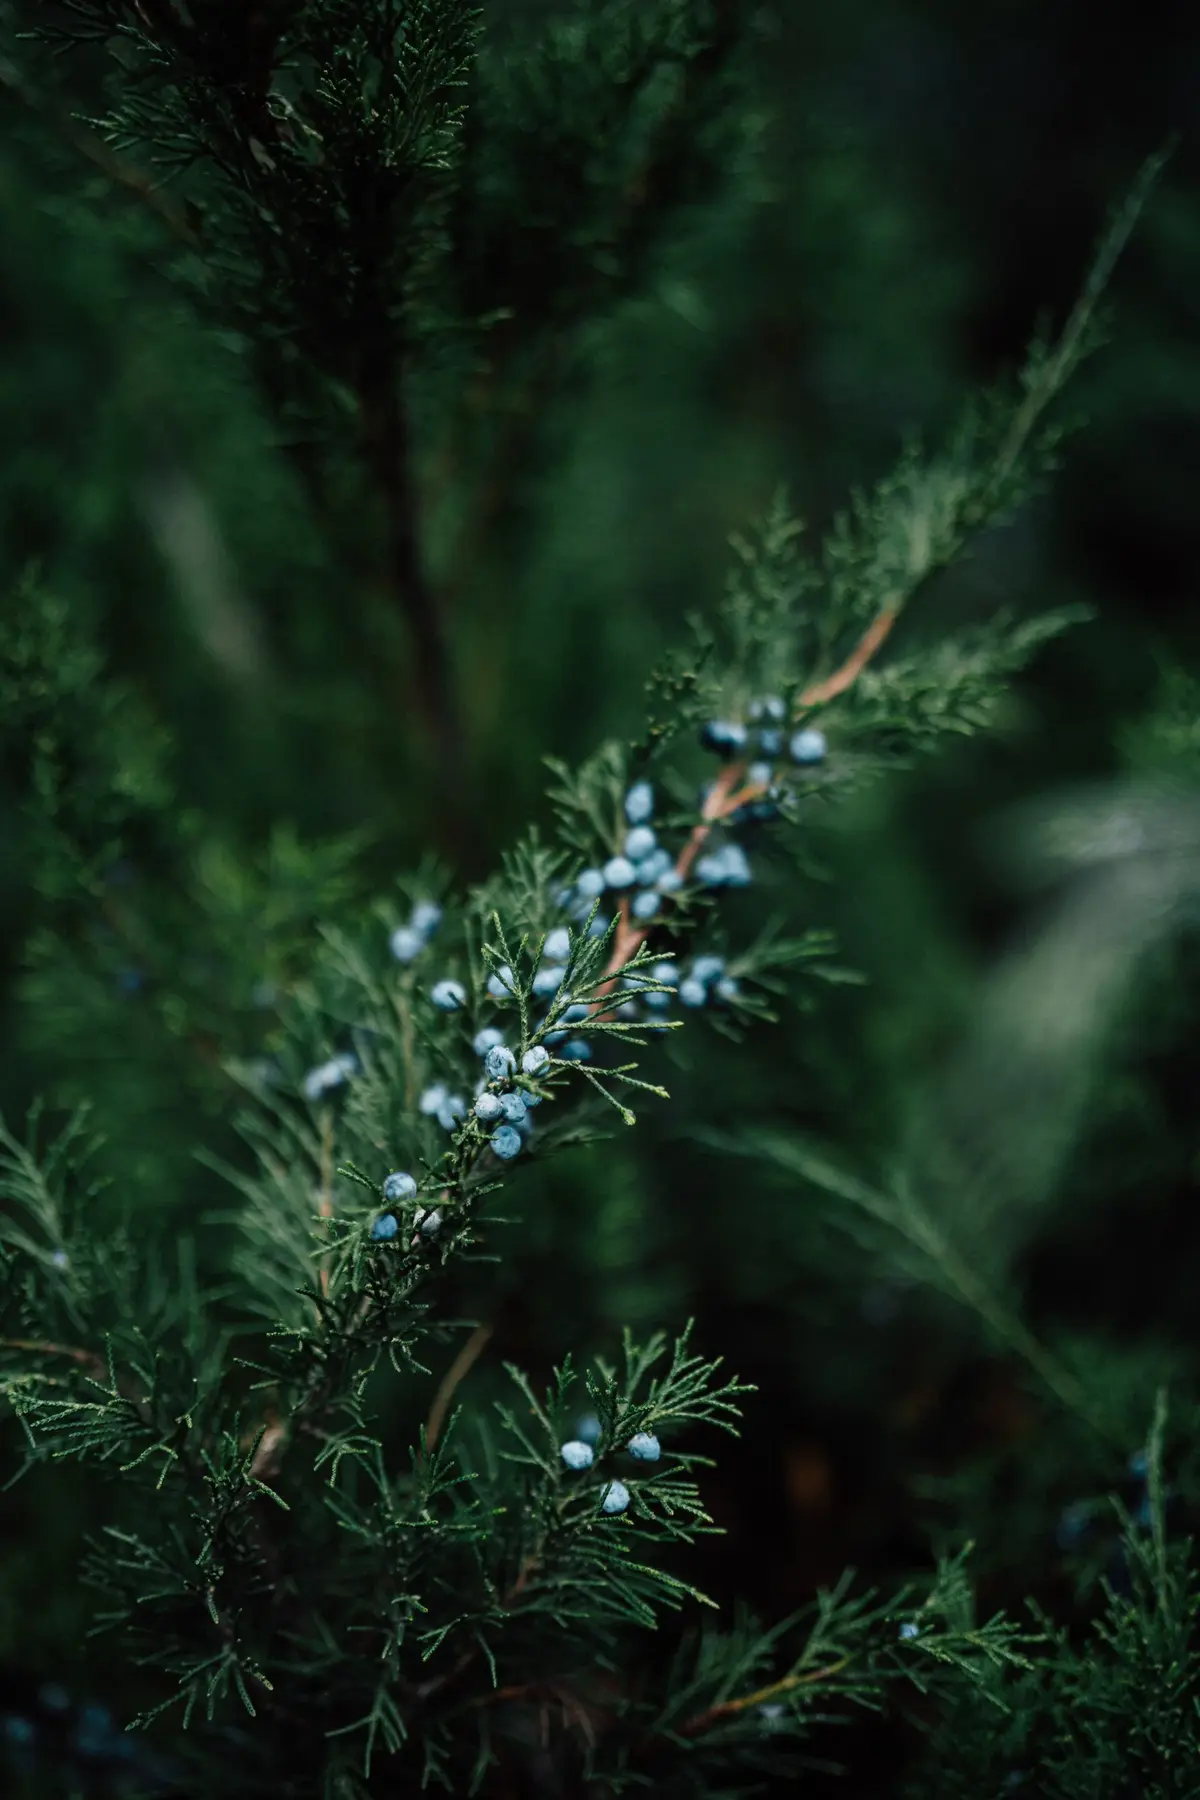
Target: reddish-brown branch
728, 794
727, 1709
87, 1359
459, 1369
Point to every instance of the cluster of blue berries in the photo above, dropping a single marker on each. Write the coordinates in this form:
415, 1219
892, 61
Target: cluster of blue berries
642, 868
408, 941
703, 981
505, 1114
398, 1188
579, 1453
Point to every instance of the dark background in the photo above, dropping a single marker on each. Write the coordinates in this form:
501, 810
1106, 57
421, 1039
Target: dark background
931, 181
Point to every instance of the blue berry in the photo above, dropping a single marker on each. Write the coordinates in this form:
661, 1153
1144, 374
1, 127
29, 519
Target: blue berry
557, 947
18, 1731
535, 1060
448, 996
760, 774
406, 943
590, 885
386, 1226
657, 1002
728, 988
614, 1498
486, 1040
499, 1063
513, 1107
506, 1142
909, 1630
599, 926
548, 980
578, 1050
667, 972
639, 803
327, 1075
769, 707
645, 906
725, 736
574, 1013
399, 1187
426, 917
692, 992
651, 868
488, 1107
808, 746
589, 1428
670, 883
618, 872
770, 1712
451, 1111
500, 985
645, 1446
770, 741
61, 1260
429, 1223
578, 1455
707, 968
640, 842
433, 1098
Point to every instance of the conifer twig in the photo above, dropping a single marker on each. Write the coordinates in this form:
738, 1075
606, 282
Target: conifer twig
459, 1369
727, 1709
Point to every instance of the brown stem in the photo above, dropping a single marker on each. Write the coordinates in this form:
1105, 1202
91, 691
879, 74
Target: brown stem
727, 1709
727, 793
462, 1365
87, 1359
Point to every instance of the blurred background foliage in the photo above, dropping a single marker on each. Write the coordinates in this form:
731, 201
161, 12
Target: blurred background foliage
927, 178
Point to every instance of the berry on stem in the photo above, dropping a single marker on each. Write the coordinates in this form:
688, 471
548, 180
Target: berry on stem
385, 1227
426, 917
725, 736
614, 1498
398, 1186
500, 1063
618, 872
488, 1108
535, 1060
578, 1455
448, 996
640, 842
645, 1446
506, 1142
406, 943
486, 1040
808, 746
639, 803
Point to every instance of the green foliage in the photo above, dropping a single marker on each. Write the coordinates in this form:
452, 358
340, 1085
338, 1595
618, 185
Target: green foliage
337, 1570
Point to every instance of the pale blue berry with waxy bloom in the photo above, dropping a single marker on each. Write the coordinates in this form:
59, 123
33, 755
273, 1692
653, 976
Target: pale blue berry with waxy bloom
640, 842
535, 1060
406, 943
574, 1013
723, 735
513, 1107
429, 1223
770, 741
426, 917
486, 1040
501, 985
448, 996
506, 1142
909, 1630
650, 868
614, 1498
707, 968
499, 1063
451, 1112
578, 1455
488, 1108
398, 1186
590, 885
433, 1097
639, 803
577, 1050
384, 1228
589, 1428
728, 988
770, 706
328, 1075
667, 972
692, 992
618, 872
760, 774
645, 906
557, 947
808, 746
645, 1446
670, 883
548, 980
